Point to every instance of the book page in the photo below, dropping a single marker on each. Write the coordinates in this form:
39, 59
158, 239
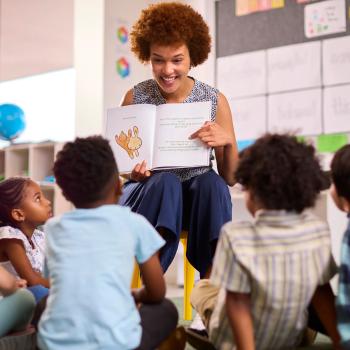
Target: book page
130, 131
175, 123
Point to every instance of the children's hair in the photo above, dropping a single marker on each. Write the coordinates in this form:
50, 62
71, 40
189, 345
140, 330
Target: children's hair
84, 169
340, 171
281, 173
11, 195
167, 24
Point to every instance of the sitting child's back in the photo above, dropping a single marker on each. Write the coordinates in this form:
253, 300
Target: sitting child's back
90, 255
279, 260
90, 258
266, 273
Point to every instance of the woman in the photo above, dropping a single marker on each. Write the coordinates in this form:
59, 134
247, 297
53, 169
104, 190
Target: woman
172, 37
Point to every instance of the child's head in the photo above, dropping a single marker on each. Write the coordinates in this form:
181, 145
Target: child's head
280, 173
340, 172
23, 203
87, 172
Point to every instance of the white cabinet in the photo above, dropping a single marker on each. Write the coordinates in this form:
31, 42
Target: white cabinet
35, 160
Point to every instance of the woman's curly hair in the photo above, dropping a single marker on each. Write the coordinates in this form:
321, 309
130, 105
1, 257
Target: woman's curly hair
281, 173
168, 24
84, 168
340, 171
12, 192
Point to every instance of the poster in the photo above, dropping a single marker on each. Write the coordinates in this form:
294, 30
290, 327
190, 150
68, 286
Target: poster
336, 60
336, 109
325, 17
294, 67
249, 117
242, 75
296, 112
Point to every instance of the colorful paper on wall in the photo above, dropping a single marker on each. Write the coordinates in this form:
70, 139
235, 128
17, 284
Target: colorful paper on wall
121, 48
325, 17
245, 7
331, 143
303, 1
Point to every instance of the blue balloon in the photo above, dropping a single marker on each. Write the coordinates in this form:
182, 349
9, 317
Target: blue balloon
12, 121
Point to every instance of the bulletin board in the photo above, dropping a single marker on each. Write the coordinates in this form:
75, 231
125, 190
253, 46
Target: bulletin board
262, 29
286, 69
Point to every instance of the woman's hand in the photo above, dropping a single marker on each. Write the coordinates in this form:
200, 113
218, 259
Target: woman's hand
140, 172
213, 135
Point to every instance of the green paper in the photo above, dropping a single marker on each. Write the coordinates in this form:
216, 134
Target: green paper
301, 139
331, 143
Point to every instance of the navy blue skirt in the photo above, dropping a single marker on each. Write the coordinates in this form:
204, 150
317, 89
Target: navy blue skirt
201, 205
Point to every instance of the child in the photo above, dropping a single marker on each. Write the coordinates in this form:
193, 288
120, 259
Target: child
16, 304
270, 271
90, 260
340, 190
23, 208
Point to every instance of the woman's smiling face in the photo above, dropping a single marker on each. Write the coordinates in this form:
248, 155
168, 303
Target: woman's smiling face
170, 66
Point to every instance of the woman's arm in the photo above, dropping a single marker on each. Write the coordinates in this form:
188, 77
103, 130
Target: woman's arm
153, 290
226, 155
16, 254
127, 99
239, 315
220, 135
8, 283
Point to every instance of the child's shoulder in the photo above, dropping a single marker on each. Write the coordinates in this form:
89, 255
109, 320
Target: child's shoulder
233, 227
9, 232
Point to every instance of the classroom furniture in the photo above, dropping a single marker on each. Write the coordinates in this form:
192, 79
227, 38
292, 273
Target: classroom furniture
189, 272
35, 160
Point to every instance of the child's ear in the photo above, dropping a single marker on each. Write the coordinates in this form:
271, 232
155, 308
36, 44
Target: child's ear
17, 215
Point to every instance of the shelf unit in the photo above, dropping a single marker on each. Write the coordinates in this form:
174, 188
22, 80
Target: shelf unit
35, 160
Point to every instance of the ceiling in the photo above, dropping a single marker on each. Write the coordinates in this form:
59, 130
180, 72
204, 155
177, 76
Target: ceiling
36, 36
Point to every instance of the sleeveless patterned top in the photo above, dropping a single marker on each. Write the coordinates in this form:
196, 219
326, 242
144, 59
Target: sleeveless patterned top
148, 92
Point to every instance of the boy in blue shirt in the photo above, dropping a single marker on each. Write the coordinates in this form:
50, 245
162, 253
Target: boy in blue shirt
340, 191
90, 258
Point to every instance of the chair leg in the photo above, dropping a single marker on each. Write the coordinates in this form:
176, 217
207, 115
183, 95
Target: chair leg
188, 283
136, 277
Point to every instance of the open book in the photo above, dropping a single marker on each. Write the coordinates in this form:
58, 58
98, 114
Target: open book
158, 134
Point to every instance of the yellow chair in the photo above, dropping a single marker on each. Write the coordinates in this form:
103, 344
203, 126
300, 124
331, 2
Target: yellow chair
188, 279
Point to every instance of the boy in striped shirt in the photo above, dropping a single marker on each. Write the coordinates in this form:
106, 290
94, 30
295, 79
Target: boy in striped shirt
340, 191
267, 273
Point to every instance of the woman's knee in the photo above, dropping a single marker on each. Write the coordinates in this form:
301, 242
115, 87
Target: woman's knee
164, 182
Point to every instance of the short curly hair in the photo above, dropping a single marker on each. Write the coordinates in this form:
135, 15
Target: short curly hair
12, 191
84, 169
167, 24
340, 171
281, 173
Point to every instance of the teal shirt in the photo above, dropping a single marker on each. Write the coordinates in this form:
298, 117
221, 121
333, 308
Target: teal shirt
89, 260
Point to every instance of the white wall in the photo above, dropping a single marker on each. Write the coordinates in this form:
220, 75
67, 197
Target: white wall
48, 102
89, 65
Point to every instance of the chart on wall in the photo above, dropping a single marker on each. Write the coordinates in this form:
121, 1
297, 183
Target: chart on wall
285, 68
